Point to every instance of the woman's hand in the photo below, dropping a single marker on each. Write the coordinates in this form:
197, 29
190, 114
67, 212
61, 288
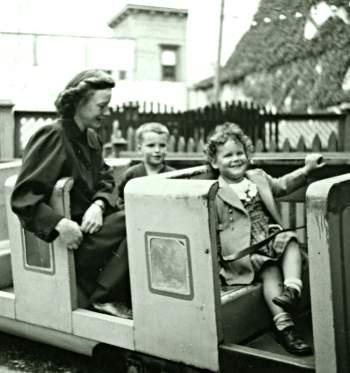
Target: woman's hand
313, 161
92, 219
70, 233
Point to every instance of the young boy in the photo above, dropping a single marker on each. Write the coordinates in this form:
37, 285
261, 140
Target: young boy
152, 141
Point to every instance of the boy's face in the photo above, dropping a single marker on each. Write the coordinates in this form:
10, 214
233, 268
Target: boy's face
154, 148
231, 161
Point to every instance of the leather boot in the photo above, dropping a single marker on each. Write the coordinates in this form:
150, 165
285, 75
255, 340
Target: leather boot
288, 299
292, 342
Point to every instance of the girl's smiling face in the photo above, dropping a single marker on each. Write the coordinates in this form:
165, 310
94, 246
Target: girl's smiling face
231, 161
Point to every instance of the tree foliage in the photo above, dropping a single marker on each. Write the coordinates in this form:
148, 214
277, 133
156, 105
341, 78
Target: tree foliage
276, 65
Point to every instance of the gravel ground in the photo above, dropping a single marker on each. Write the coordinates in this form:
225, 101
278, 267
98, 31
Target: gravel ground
20, 355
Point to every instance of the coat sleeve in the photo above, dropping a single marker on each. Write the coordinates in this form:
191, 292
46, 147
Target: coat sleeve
41, 168
128, 175
288, 183
106, 185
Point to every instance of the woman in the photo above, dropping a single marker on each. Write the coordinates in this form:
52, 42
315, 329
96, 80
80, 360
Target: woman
71, 147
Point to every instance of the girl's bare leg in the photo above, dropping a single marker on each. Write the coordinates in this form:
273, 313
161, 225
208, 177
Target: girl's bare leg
292, 261
291, 268
272, 282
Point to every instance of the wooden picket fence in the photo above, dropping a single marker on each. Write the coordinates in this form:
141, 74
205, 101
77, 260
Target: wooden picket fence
286, 132
188, 129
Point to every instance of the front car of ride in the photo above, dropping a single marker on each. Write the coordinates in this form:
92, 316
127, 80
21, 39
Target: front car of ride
182, 316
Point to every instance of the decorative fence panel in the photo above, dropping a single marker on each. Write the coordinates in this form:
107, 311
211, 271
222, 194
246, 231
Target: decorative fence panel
28, 122
302, 132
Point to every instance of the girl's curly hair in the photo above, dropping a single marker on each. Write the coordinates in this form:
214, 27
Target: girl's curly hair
224, 132
81, 88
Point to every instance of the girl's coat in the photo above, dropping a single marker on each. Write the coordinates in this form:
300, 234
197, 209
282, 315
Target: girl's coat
234, 223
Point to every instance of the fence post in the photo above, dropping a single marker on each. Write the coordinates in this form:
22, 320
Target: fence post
344, 132
7, 130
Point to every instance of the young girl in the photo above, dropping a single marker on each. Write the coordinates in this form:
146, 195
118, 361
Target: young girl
247, 214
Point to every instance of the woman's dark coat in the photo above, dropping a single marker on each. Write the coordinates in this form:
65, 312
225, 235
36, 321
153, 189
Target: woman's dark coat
60, 150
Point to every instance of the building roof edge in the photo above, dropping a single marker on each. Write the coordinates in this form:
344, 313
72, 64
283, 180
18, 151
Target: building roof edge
145, 8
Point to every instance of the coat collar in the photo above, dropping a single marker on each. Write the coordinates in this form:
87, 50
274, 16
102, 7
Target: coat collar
142, 168
265, 194
92, 139
73, 132
230, 197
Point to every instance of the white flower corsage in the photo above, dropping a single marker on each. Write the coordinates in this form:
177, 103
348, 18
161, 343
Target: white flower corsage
246, 190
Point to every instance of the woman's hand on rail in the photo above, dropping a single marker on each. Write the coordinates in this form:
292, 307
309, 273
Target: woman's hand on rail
70, 233
313, 161
92, 219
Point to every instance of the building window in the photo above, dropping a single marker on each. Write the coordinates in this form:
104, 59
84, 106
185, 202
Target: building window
122, 74
169, 62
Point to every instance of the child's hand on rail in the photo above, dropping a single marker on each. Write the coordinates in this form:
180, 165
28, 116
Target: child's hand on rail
313, 161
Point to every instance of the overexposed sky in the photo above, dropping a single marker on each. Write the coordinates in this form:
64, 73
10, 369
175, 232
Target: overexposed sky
91, 17
78, 17
203, 30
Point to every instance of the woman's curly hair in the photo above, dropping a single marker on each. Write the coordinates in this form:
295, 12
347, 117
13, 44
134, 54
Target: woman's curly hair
81, 87
224, 132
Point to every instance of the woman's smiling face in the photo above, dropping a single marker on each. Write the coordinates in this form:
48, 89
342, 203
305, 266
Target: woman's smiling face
90, 114
231, 161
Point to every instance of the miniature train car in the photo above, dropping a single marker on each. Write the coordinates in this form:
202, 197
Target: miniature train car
182, 318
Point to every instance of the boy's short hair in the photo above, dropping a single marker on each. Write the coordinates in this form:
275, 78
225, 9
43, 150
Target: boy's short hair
151, 127
224, 132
